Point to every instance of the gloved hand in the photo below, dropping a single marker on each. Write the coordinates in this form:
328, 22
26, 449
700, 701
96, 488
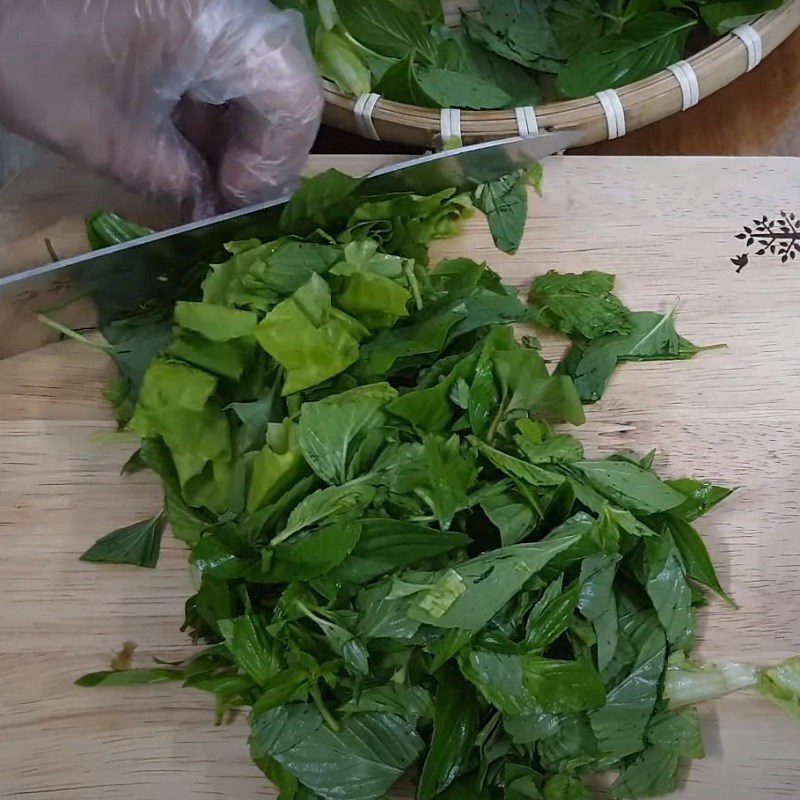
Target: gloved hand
135, 89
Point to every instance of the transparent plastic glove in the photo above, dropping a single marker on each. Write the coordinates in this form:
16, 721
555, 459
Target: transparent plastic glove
212, 103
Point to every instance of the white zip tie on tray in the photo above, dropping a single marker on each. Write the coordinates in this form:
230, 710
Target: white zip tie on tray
752, 41
687, 78
450, 124
527, 124
363, 108
615, 113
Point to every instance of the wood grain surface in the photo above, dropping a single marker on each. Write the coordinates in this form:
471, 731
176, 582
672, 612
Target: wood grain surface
666, 227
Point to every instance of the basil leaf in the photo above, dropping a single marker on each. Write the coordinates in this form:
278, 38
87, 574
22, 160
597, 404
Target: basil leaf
505, 203
723, 17
386, 545
405, 701
455, 727
368, 753
580, 304
645, 45
677, 732
251, 645
386, 29
700, 497
669, 590
695, 555
548, 620
628, 486
137, 544
652, 773
621, 723
333, 431
491, 580
313, 553
131, 677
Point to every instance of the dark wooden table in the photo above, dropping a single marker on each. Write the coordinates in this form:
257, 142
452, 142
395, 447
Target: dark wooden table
757, 114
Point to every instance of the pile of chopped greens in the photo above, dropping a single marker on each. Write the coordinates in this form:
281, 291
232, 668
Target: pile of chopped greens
513, 52
405, 563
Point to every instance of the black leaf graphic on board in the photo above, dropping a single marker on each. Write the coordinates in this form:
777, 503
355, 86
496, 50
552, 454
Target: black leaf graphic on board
779, 237
740, 261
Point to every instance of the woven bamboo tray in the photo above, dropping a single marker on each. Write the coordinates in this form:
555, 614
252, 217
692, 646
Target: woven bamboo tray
642, 102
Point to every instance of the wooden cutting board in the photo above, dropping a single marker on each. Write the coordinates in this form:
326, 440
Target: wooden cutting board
667, 227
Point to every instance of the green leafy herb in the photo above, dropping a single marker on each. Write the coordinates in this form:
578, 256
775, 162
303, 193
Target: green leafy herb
455, 728
510, 53
653, 772
677, 732
721, 18
652, 338
370, 751
505, 203
337, 433
403, 566
137, 544
131, 677
579, 304
490, 581
388, 30
644, 46
782, 684
628, 485
621, 723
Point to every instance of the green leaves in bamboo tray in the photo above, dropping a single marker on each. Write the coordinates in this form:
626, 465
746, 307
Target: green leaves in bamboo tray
642, 47
511, 52
408, 567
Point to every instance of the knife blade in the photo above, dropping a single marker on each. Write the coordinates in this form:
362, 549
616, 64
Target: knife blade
130, 273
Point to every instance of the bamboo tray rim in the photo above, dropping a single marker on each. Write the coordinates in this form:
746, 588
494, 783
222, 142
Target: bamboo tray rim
643, 101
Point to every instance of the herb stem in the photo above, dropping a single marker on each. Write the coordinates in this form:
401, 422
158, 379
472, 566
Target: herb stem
413, 285
324, 712
617, 15
74, 335
282, 537
706, 348
293, 403
501, 412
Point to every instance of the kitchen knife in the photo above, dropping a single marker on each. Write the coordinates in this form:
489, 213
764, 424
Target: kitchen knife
128, 274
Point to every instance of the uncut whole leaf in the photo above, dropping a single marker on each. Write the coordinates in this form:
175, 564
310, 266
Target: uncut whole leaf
516, 81
725, 16
437, 87
524, 29
407, 565
645, 45
386, 29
